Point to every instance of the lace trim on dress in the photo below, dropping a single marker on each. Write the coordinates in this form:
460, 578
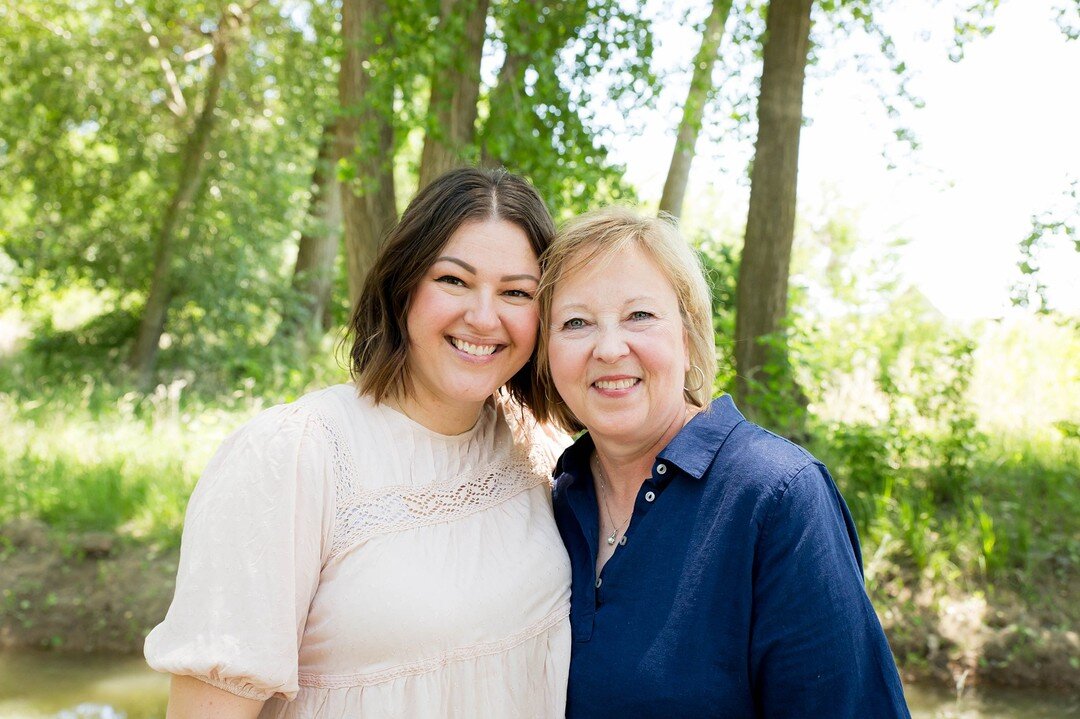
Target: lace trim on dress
363, 513
424, 666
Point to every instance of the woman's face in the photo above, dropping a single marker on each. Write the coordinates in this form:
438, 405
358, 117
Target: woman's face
472, 321
617, 349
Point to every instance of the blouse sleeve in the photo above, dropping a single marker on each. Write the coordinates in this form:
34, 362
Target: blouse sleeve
256, 533
817, 648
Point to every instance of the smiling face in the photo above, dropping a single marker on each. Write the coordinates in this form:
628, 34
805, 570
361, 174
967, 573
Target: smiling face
617, 349
471, 323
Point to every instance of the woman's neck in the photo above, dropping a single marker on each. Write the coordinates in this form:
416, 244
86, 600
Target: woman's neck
443, 420
626, 466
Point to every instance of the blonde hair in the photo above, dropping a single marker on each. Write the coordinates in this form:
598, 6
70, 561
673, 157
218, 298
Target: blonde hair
598, 236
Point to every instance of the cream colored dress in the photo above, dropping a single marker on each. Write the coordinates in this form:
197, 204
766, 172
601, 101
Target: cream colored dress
341, 560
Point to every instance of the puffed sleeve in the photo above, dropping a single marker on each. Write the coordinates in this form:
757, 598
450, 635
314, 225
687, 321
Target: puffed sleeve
817, 648
256, 533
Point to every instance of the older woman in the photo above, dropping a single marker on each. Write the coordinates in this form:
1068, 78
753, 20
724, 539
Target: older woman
387, 548
716, 570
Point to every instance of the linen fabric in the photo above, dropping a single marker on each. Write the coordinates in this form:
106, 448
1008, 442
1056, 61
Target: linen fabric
341, 560
737, 593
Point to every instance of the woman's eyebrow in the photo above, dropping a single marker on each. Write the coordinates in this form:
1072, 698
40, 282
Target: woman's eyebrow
514, 278
469, 268
465, 265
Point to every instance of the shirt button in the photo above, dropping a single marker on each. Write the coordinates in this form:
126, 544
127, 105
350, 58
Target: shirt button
661, 469
650, 496
622, 541
599, 581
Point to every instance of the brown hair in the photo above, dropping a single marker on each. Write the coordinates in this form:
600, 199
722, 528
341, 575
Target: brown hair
598, 236
377, 328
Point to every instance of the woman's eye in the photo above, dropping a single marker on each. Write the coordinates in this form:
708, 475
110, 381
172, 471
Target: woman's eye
451, 280
574, 323
641, 315
519, 293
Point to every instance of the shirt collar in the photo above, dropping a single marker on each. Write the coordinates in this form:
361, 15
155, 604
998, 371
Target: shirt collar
692, 450
697, 444
574, 462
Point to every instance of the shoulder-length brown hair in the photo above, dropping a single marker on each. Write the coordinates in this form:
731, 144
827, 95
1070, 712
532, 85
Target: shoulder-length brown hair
377, 328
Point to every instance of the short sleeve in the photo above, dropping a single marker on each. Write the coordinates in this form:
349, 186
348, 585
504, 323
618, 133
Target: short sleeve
817, 648
256, 533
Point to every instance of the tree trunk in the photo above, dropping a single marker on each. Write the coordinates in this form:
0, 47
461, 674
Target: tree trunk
455, 87
693, 110
366, 134
763, 271
192, 164
313, 276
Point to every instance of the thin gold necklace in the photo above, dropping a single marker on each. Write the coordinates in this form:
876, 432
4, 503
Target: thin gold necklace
603, 496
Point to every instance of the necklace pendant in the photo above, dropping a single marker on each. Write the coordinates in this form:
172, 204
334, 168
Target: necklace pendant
611, 537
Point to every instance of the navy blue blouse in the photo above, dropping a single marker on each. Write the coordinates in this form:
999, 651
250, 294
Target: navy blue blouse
737, 590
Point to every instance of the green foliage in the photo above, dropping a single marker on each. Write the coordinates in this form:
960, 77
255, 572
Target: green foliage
721, 264
81, 452
1067, 16
539, 120
1056, 224
94, 140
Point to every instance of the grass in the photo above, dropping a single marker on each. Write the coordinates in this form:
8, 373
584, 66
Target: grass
1014, 517
78, 470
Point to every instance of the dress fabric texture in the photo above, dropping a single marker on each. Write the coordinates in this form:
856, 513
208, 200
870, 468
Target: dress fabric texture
341, 560
735, 592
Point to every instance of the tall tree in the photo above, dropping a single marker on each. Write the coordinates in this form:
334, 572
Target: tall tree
761, 304
313, 274
366, 133
455, 87
701, 85
192, 165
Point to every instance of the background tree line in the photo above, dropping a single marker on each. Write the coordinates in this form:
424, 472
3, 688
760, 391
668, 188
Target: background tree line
175, 155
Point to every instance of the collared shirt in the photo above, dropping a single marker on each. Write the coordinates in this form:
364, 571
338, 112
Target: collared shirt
736, 591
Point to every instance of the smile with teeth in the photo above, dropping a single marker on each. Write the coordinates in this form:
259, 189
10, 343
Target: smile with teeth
474, 350
625, 383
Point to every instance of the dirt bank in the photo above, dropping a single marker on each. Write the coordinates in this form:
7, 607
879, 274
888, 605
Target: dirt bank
99, 593
79, 593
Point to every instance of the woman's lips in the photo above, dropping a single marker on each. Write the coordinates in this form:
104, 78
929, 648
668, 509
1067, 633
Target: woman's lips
615, 384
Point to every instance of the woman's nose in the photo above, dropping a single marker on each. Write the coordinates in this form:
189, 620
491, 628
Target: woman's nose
481, 313
610, 345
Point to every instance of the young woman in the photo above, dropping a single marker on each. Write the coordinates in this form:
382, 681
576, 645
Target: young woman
386, 548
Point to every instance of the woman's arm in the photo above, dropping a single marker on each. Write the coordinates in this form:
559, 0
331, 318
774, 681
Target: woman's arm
817, 649
190, 698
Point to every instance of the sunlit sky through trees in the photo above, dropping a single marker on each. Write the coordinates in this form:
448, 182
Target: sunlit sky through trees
998, 141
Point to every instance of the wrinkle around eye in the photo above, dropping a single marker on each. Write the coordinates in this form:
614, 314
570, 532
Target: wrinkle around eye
569, 325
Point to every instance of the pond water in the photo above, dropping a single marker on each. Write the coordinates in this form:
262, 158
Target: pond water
42, 685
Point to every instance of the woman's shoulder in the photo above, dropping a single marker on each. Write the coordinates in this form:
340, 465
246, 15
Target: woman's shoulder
763, 449
749, 459
311, 418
